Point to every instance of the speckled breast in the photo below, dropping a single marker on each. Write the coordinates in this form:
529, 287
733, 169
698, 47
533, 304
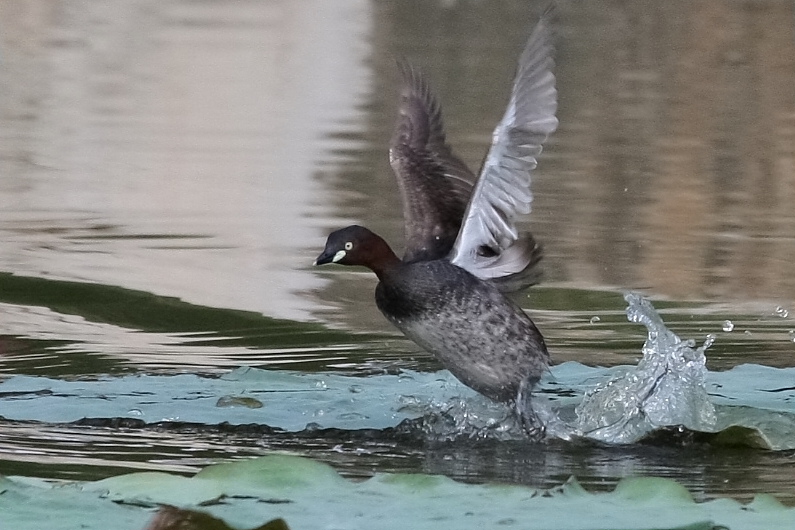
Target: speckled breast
481, 336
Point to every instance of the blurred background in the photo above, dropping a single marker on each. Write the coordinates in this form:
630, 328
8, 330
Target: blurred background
203, 150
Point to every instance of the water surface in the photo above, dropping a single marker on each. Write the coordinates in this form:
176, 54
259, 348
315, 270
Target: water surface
169, 170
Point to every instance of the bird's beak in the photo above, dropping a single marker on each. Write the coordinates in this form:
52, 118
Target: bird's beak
325, 257
330, 257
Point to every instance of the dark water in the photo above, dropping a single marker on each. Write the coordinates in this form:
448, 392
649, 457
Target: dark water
169, 170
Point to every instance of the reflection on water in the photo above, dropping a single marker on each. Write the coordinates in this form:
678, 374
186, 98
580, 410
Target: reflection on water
203, 152
161, 160
62, 328
60, 452
171, 147
673, 169
688, 131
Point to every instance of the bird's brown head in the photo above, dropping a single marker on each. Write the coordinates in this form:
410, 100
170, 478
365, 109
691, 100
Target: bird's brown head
356, 245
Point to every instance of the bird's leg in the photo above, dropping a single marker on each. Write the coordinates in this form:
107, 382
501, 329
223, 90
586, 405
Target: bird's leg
531, 423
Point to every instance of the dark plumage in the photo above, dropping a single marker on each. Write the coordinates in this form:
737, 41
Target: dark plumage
462, 246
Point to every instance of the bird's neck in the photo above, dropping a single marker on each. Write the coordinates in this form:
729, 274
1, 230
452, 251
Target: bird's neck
383, 261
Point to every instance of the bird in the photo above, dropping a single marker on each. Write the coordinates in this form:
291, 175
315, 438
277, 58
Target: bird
464, 251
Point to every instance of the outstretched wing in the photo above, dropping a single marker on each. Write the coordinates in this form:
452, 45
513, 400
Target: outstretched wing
489, 245
434, 184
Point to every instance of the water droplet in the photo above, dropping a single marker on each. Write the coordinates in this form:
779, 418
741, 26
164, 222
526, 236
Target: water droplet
139, 412
355, 389
594, 320
792, 335
781, 312
709, 341
728, 325
321, 384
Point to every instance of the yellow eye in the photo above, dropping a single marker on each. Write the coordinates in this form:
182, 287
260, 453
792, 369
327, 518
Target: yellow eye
348, 245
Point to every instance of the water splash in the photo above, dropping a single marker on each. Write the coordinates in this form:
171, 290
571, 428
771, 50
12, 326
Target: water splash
666, 388
470, 418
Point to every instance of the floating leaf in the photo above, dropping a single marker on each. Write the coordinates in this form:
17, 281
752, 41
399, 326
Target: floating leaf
238, 401
756, 398
312, 495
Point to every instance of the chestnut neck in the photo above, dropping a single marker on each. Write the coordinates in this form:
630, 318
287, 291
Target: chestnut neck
380, 258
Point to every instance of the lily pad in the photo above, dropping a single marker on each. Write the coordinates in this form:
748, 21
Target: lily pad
310, 495
754, 407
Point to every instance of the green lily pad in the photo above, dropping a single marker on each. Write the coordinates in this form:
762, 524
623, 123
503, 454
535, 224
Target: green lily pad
755, 405
309, 495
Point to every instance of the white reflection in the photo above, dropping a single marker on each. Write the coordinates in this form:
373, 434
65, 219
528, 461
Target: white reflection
136, 124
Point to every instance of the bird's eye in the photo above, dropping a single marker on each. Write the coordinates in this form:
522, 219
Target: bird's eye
348, 245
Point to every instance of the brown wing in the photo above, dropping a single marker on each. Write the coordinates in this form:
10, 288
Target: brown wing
434, 184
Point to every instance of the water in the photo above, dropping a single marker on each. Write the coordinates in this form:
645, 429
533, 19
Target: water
169, 170
667, 388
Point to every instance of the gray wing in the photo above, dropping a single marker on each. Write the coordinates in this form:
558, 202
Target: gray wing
435, 185
489, 245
